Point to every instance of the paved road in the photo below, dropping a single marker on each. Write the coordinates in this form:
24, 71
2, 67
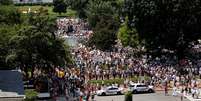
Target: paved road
158, 96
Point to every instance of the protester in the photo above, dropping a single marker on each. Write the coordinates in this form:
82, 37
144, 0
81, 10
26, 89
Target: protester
182, 94
95, 64
174, 92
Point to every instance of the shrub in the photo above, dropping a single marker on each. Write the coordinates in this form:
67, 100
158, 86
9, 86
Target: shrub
117, 80
30, 94
33, 4
128, 96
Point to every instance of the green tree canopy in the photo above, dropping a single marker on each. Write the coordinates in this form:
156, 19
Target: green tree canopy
128, 36
10, 20
36, 44
104, 36
6, 2
79, 6
9, 15
6, 32
31, 42
103, 19
60, 6
170, 24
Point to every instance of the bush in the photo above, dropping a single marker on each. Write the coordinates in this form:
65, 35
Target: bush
128, 96
117, 80
33, 4
110, 81
31, 95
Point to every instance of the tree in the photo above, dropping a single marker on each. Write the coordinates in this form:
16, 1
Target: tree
6, 2
104, 22
96, 9
6, 32
9, 15
59, 6
128, 36
35, 44
169, 24
10, 20
79, 6
104, 36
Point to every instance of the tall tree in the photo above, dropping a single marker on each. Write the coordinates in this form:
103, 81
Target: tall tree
79, 6
10, 20
128, 36
104, 37
60, 6
6, 2
170, 24
9, 15
34, 43
103, 19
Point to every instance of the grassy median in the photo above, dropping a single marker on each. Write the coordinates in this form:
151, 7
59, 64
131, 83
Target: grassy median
118, 80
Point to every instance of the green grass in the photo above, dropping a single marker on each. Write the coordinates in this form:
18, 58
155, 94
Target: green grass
69, 13
117, 80
30, 94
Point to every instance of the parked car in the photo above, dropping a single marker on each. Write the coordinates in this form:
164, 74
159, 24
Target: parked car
111, 90
140, 87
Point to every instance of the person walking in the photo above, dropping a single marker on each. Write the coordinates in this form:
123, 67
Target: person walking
92, 96
182, 94
174, 93
166, 88
193, 92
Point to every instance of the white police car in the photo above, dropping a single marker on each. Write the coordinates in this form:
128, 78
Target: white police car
111, 90
140, 87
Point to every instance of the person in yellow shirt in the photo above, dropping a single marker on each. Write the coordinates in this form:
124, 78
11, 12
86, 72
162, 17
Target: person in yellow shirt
61, 74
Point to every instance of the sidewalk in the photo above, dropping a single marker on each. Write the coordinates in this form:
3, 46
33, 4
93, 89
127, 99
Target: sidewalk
189, 97
161, 89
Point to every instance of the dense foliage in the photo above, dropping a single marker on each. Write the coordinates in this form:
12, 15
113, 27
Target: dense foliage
9, 15
156, 24
79, 6
6, 2
128, 36
103, 19
59, 6
170, 24
10, 20
104, 37
30, 42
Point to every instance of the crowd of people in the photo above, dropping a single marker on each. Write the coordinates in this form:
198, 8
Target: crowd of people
105, 65
68, 83
100, 65
94, 64
72, 27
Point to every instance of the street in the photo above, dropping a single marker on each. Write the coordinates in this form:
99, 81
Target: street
158, 96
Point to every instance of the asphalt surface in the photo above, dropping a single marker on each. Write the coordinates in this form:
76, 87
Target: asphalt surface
158, 96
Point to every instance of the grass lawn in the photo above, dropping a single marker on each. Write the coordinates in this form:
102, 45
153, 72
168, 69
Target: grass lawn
69, 13
117, 80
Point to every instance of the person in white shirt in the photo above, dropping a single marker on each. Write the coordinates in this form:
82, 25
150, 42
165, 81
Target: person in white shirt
174, 93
